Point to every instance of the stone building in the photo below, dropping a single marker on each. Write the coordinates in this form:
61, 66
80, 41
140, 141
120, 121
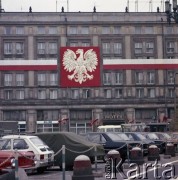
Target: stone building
138, 59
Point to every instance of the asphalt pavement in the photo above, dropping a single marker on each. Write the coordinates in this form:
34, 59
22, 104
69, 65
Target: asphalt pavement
101, 174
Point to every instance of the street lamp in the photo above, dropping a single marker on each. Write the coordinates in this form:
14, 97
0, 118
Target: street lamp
171, 15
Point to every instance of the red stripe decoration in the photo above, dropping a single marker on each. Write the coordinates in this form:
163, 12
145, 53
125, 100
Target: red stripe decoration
129, 64
28, 65
28, 68
139, 66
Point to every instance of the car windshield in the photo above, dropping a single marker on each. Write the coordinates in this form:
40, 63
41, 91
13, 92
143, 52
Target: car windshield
153, 136
5, 144
123, 136
167, 136
140, 136
37, 141
114, 137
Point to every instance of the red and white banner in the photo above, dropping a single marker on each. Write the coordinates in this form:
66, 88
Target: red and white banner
79, 66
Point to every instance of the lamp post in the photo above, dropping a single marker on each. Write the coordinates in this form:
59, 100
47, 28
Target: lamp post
174, 14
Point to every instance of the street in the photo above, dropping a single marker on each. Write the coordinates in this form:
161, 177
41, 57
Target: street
149, 170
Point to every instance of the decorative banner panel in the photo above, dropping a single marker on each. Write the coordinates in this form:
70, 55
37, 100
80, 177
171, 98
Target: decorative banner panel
79, 66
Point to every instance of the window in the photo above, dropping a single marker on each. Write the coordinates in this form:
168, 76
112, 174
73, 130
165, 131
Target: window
138, 30
7, 79
19, 48
7, 30
106, 47
52, 48
107, 78
52, 30
151, 93
139, 78
149, 47
72, 30
150, 77
50, 115
170, 77
86, 93
105, 30
107, 93
148, 30
116, 30
5, 144
169, 30
138, 48
14, 115
20, 79
140, 93
20, 94
170, 46
41, 48
20, 144
117, 48
85, 44
75, 93
7, 48
171, 92
84, 30
20, 30
118, 93
8, 94
41, 94
53, 79
118, 78
41, 30
41, 78
53, 94
73, 44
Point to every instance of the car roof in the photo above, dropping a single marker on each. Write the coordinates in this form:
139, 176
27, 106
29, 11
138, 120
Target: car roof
17, 136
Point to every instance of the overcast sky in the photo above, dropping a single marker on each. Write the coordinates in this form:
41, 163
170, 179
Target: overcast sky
82, 5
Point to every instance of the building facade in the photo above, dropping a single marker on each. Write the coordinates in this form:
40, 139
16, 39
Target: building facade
138, 61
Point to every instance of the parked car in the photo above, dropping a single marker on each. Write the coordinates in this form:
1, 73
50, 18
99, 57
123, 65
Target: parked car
109, 141
174, 136
25, 159
167, 138
138, 137
158, 142
75, 145
43, 154
130, 143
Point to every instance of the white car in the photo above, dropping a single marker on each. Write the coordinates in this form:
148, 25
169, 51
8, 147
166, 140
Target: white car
43, 154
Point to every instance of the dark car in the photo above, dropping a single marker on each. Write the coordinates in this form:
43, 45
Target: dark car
138, 137
75, 145
167, 138
130, 143
110, 141
158, 142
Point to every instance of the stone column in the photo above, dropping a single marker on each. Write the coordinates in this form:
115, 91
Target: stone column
64, 120
31, 124
96, 118
130, 115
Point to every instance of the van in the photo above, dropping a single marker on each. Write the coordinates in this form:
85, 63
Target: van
109, 128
